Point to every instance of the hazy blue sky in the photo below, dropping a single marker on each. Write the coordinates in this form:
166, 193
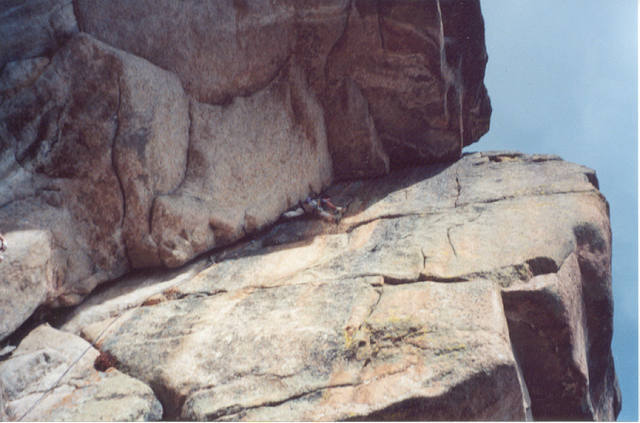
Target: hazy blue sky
562, 79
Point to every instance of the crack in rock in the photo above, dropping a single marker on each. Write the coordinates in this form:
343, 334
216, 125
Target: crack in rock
114, 161
453, 248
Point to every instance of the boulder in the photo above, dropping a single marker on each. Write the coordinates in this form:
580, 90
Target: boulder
474, 290
30, 269
36, 386
325, 350
248, 161
219, 49
401, 82
419, 67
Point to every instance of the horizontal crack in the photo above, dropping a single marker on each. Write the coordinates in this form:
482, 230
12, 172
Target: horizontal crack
237, 408
385, 217
436, 278
542, 194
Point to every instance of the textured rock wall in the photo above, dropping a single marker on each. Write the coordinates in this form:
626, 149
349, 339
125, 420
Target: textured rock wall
83, 393
470, 291
401, 81
139, 134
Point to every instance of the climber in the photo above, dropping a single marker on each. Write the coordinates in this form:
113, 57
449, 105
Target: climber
322, 208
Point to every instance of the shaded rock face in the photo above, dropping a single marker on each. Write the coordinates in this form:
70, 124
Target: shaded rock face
421, 77
140, 134
34, 28
401, 81
475, 290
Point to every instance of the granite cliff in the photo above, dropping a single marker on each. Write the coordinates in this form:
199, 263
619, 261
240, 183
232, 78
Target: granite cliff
147, 153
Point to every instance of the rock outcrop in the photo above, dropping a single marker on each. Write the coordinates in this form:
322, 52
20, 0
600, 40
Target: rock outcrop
43, 370
138, 134
400, 81
155, 145
474, 290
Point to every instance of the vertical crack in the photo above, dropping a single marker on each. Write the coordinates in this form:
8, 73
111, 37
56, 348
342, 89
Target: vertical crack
339, 40
76, 14
443, 54
114, 159
453, 248
379, 291
150, 220
460, 95
458, 190
189, 146
114, 165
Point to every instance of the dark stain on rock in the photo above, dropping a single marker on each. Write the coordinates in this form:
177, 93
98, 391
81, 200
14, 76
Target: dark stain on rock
104, 361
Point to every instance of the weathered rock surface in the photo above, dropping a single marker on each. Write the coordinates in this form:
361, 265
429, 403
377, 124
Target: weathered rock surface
248, 162
420, 69
34, 28
400, 81
191, 125
447, 292
116, 184
73, 144
140, 134
30, 265
41, 362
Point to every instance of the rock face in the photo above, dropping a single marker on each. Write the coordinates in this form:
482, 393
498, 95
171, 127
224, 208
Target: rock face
137, 136
401, 82
41, 362
140, 134
34, 28
474, 290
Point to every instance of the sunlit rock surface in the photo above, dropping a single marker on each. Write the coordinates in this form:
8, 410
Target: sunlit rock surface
442, 294
35, 384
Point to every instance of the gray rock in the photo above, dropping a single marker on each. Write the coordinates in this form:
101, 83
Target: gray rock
19, 74
51, 376
397, 311
29, 276
34, 28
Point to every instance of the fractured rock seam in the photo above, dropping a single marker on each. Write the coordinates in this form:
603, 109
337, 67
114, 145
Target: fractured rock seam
114, 164
231, 410
76, 14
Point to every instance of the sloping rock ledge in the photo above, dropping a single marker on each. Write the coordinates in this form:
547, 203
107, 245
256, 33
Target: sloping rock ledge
474, 290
